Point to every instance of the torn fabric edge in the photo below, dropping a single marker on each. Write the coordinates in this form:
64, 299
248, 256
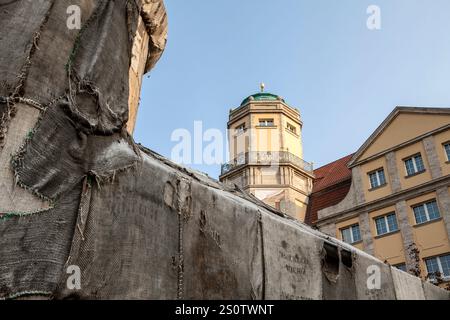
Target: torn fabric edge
26, 294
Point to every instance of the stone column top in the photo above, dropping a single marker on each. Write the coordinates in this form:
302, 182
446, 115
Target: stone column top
154, 14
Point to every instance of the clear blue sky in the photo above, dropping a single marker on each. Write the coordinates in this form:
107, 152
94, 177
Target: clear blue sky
317, 54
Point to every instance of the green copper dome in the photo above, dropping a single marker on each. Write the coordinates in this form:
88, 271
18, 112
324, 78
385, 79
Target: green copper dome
262, 96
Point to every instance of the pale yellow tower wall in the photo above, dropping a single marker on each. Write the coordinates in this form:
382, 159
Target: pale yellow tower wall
258, 130
277, 138
239, 142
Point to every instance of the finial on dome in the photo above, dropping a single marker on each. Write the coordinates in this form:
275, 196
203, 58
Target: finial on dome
262, 86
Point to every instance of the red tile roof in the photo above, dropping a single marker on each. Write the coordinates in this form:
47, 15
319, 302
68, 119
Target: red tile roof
330, 187
332, 173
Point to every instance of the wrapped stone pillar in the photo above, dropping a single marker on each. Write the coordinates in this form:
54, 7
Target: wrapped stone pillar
70, 78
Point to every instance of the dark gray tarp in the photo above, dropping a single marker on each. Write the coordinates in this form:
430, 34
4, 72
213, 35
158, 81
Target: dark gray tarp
127, 240
98, 70
58, 156
433, 292
366, 266
407, 287
292, 261
54, 47
21, 22
138, 226
35, 248
338, 273
79, 81
222, 246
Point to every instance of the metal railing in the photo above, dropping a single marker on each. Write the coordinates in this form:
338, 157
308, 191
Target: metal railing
266, 158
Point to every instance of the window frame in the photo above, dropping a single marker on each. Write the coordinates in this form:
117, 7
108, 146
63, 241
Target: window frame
439, 264
414, 163
386, 223
351, 233
377, 173
240, 129
398, 265
447, 151
291, 128
427, 214
278, 205
266, 121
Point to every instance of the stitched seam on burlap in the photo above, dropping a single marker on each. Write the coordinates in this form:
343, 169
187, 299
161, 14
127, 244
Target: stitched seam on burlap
18, 91
263, 257
180, 285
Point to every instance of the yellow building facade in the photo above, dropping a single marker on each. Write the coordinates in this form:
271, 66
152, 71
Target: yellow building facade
266, 152
398, 205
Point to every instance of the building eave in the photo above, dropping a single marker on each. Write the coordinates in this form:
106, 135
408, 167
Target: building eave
423, 110
387, 201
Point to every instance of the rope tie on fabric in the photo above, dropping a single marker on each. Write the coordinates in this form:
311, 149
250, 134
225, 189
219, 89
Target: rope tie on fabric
85, 202
183, 205
180, 257
29, 102
5, 118
177, 196
263, 257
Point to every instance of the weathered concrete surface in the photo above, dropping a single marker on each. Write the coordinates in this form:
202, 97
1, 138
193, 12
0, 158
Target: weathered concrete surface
407, 234
432, 292
393, 173
407, 287
444, 202
364, 224
137, 226
432, 156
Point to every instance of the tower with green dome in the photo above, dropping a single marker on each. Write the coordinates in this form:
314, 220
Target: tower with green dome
266, 152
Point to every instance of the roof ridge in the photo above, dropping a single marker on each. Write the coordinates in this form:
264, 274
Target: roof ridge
340, 159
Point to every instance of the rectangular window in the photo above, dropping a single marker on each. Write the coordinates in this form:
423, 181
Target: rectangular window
377, 178
438, 265
426, 212
401, 266
351, 234
386, 224
277, 205
447, 150
240, 129
414, 165
266, 123
292, 128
